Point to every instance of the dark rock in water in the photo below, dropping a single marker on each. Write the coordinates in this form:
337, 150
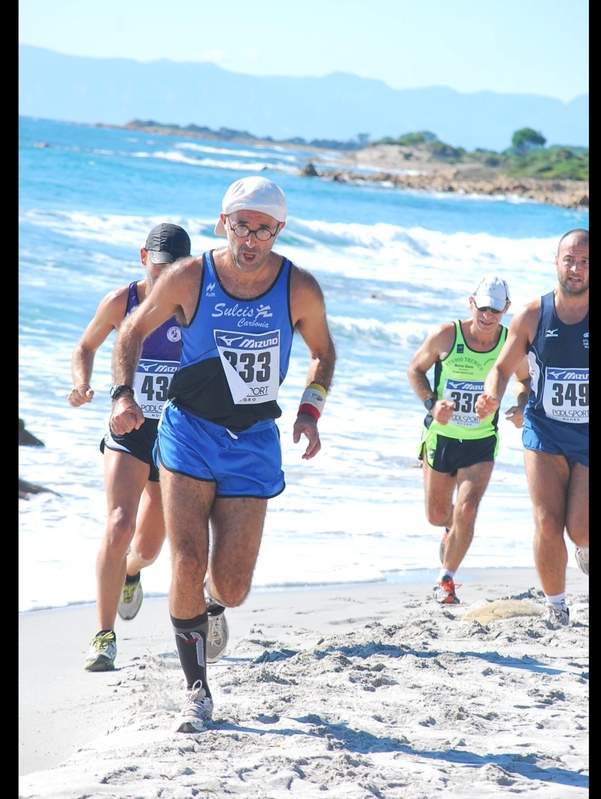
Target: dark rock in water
26, 439
25, 489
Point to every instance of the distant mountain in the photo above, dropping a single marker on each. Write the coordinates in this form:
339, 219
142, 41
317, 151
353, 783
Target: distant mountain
338, 106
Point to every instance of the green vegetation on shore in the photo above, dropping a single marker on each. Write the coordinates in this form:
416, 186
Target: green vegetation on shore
527, 156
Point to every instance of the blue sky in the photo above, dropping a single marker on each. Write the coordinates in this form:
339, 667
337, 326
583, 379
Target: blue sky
506, 46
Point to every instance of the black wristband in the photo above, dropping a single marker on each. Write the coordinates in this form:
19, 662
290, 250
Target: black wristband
116, 391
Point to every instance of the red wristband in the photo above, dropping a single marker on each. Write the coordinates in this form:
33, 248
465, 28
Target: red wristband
310, 409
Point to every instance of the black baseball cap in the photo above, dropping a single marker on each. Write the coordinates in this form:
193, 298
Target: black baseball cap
166, 243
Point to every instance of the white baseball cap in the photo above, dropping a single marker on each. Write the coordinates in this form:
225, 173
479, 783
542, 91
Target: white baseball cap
491, 292
253, 194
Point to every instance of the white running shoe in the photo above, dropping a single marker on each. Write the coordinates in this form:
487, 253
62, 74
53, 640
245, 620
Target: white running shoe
217, 637
196, 712
131, 600
557, 615
582, 559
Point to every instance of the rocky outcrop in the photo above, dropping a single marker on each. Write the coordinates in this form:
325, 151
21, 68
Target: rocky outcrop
27, 439
562, 193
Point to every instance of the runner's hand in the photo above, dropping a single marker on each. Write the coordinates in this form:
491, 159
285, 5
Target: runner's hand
126, 415
486, 405
306, 425
79, 395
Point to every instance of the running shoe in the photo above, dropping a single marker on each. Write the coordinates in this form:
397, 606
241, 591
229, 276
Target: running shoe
557, 615
444, 591
443, 544
131, 600
196, 711
218, 634
103, 651
582, 559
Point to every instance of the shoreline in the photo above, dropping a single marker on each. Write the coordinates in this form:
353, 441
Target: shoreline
390, 161
412, 693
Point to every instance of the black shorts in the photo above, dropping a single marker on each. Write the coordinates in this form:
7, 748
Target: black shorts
447, 455
138, 443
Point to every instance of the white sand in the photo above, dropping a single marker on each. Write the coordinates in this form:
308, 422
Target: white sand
354, 693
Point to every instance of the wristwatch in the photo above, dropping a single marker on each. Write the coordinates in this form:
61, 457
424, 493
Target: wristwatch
430, 403
116, 391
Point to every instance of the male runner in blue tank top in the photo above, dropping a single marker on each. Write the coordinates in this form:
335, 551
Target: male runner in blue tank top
218, 444
553, 332
457, 449
130, 476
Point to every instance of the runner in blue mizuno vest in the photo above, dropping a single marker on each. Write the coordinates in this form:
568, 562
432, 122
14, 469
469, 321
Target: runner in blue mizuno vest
553, 332
235, 352
218, 444
134, 531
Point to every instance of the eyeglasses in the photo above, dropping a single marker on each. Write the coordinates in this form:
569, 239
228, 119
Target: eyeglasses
262, 234
488, 309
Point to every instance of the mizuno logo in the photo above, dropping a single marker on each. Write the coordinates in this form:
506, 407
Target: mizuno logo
552, 333
229, 340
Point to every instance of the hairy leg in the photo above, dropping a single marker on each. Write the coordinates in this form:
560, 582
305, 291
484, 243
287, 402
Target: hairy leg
187, 506
124, 481
548, 481
472, 482
236, 532
150, 530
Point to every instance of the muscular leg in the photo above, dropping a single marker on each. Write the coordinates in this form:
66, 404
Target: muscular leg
237, 528
187, 505
124, 480
577, 516
150, 530
548, 482
471, 485
438, 495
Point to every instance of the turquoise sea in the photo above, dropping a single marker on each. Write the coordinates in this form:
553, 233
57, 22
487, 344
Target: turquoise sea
393, 265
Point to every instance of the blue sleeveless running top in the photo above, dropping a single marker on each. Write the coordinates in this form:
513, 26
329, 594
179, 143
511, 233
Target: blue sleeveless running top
161, 352
558, 360
235, 352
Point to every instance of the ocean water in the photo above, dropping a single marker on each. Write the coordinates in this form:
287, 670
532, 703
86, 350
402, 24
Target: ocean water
393, 265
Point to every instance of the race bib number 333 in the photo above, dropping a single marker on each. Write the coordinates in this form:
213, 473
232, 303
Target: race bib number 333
251, 362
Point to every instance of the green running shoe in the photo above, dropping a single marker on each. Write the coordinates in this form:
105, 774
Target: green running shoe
103, 651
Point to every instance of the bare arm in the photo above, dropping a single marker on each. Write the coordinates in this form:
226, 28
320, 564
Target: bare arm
169, 297
107, 318
519, 335
309, 317
436, 347
515, 414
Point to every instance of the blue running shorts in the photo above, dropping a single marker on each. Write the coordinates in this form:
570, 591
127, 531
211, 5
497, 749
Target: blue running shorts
556, 438
242, 464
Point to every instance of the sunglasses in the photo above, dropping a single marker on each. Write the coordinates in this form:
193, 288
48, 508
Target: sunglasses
487, 309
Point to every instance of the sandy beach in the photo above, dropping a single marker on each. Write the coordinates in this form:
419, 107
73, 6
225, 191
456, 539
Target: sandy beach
354, 692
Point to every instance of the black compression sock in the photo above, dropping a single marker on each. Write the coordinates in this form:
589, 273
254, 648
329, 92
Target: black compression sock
135, 579
191, 642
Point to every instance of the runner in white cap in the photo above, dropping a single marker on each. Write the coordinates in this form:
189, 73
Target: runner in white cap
218, 443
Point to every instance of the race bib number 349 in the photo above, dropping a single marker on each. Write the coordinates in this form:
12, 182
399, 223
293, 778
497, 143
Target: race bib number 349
251, 362
565, 396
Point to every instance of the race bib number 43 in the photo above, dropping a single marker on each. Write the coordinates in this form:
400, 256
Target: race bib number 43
251, 362
151, 382
565, 396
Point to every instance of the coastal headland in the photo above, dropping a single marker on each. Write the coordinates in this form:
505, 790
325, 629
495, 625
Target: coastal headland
403, 167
